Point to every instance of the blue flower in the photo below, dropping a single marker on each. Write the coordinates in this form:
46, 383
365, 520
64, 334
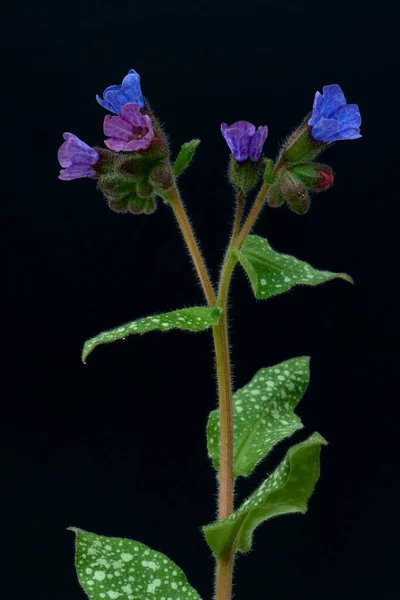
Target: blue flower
332, 119
116, 96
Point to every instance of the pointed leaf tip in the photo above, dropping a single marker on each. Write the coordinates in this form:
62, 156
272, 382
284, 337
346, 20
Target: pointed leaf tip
271, 273
346, 277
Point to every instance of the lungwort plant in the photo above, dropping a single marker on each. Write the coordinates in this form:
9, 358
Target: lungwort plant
135, 172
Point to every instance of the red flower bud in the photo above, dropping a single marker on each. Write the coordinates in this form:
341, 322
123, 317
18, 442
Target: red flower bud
316, 177
327, 180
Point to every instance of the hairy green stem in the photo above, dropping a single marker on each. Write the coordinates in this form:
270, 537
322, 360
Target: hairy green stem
252, 216
186, 229
224, 376
224, 573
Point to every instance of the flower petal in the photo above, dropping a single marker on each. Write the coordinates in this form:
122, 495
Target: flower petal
116, 144
348, 115
324, 130
332, 119
245, 126
237, 137
115, 96
257, 142
76, 171
131, 88
73, 150
350, 133
140, 144
63, 155
318, 101
333, 97
131, 113
105, 104
117, 127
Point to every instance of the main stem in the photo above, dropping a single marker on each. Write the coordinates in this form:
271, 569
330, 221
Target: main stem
223, 587
222, 355
223, 363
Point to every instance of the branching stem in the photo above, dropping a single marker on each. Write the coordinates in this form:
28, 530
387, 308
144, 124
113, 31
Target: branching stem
223, 585
186, 229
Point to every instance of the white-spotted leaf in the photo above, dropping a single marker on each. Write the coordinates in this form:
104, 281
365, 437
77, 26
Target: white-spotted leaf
112, 568
286, 491
262, 414
185, 157
271, 273
197, 318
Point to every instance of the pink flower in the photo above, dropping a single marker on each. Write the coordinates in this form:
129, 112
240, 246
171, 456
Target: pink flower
77, 158
129, 132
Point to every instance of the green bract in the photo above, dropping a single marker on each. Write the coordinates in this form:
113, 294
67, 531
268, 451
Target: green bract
262, 414
185, 157
271, 273
269, 176
112, 568
287, 490
197, 318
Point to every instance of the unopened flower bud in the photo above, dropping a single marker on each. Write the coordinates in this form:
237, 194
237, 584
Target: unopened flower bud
162, 179
146, 207
144, 189
315, 176
294, 192
127, 195
275, 197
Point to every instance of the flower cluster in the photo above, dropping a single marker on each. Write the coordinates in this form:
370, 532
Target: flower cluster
135, 167
129, 131
130, 180
331, 120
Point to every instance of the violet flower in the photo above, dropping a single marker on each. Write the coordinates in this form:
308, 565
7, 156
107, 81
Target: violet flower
332, 118
116, 96
130, 132
244, 141
77, 158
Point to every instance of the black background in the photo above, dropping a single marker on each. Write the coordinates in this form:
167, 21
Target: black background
118, 446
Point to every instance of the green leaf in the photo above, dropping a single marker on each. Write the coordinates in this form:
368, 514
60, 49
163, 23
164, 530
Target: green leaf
286, 491
271, 273
197, 318
262, 414
185, 157
112, 568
